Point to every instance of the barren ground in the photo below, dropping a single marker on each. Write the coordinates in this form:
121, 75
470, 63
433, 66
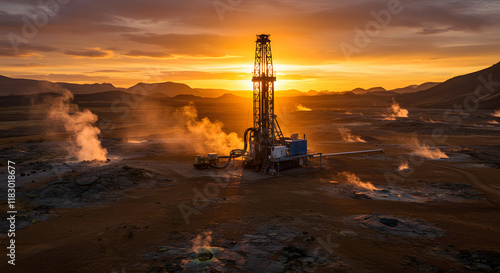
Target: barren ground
149, 210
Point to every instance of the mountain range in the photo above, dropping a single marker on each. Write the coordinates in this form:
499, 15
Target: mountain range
459, 91
430, 94
14, 86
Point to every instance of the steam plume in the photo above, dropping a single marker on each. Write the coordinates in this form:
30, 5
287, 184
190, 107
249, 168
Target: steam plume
80, 126
209, 136
403, 166
202, 241
427, 120
353, 179
424, 150
396, 111
302, 108
348, 136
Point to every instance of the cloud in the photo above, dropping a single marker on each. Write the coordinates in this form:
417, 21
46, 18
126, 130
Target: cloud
210, 45
91, 53
65, 77
201, 75
29, 65
23, 50
71, 18
118, 16
113, 71
147, 54
433, 30
458, 18
191, 36
299, 77
331, 21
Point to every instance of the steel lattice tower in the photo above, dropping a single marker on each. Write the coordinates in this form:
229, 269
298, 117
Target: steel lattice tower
265, 147
264, 120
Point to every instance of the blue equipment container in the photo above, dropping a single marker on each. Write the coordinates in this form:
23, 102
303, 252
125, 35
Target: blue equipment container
297, 147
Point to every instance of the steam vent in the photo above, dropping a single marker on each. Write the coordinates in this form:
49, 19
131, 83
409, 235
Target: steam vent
250, 136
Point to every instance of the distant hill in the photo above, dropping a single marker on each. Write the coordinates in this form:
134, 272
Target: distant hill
187, 97
215, 93
415, 88
13, 86
26, 100
228, 97
170, 89
363, 91
102, 96
158, 95
88, 88
429, 94
456, 90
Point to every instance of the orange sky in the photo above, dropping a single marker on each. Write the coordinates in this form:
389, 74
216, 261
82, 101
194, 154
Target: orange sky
318, 44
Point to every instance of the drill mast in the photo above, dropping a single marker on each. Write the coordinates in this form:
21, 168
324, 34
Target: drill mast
264, 120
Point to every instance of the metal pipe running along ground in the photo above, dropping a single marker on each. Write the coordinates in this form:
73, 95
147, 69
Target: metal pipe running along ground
347, 153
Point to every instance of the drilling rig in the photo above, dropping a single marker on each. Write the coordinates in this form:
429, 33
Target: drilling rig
265, 147
267, 131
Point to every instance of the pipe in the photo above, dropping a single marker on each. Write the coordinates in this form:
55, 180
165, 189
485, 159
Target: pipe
347, 153
237, 152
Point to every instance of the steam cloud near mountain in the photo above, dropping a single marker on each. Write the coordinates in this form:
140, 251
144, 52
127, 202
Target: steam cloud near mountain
396, 111
80, 125
302, 108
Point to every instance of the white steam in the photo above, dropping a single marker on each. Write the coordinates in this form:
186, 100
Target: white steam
403, 166
396, 111
424, 150
302, 108
354, 179
202, 241
208, 136
348, 136
80, 125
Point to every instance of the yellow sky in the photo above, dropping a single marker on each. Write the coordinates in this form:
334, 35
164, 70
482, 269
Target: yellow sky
319, 44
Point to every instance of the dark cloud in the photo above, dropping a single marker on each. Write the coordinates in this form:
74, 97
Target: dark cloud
416, 14
65, 77
7, 49
432, 30
8, 20
187, 44
76, 17
299, 77
390, 50
29, 65
447, 17
115, 16
305, 32
92, 53
112, 71
147, 54
202, 75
